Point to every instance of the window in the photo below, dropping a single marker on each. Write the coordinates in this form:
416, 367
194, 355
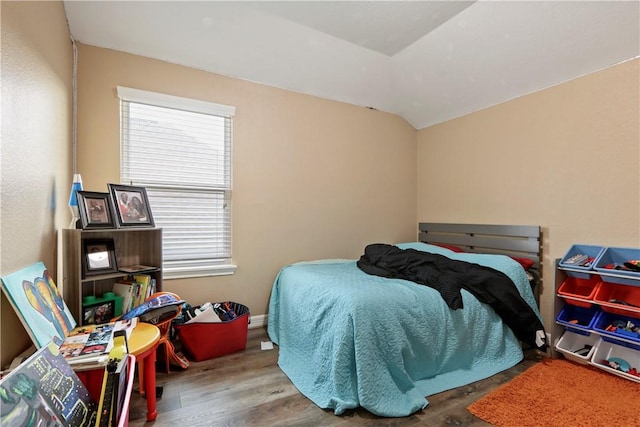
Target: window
180, 150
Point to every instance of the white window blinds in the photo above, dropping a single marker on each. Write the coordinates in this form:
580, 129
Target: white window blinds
180, 151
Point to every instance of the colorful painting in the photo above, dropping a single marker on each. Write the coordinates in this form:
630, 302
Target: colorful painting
45, 391
35, 298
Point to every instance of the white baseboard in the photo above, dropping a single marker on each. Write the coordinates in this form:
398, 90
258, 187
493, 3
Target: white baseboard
258, 321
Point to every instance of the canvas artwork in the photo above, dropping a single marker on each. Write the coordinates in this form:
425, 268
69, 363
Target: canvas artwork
41, 309
45, 391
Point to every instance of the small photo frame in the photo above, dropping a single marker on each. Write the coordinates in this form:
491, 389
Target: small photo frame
131, 205
96, 210
99, 257
98, 313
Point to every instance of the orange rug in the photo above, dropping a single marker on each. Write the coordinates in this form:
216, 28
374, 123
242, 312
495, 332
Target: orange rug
556, 392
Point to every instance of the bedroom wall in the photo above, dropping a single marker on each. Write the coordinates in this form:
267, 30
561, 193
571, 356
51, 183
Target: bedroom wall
312, 178
566, 158
36, 88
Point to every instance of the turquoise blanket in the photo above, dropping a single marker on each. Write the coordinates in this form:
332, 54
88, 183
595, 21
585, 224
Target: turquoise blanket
348, 339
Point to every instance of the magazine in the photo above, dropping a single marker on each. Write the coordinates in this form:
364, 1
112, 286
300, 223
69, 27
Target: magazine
89, 346
137, 268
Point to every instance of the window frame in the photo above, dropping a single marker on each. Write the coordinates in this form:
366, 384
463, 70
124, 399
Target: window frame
189, 268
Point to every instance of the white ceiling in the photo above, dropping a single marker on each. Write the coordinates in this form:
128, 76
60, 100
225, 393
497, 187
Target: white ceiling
427, 61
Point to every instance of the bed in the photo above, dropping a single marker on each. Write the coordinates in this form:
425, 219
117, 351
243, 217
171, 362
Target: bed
351, 339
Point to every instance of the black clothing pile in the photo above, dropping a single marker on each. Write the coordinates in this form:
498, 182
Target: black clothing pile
449, 276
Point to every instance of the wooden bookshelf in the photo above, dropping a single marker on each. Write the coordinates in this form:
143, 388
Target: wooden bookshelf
132, 246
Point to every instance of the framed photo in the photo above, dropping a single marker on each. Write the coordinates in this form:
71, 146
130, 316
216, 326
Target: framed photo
131, 205
99, 257
98, 313
96, 210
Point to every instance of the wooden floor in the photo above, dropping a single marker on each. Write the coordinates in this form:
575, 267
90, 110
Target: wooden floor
249, 389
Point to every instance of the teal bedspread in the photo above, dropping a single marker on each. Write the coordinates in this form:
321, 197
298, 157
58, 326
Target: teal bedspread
349, 339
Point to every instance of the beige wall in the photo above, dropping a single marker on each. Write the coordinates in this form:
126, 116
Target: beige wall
312, 178
566, 158
37, 68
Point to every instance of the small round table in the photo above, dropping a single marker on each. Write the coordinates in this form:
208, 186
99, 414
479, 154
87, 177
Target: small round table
143, 343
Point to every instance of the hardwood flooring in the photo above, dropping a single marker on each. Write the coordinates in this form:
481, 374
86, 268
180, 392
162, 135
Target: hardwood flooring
249, 389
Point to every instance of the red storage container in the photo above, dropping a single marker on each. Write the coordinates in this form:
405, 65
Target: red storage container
574, 287
204, 341
619, 299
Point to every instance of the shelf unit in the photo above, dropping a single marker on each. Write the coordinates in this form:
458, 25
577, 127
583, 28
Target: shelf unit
133, 246
628, 347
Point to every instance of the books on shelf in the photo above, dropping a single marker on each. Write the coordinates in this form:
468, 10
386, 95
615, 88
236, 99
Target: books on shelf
134, 290
126, 290
44, 390
145, 282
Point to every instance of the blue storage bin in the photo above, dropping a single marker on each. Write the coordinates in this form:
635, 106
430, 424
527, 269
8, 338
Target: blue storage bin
619, 256
605, 319
591, 251
578, 319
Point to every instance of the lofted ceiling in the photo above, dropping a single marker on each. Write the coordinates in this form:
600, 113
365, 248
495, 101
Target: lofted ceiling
426, 61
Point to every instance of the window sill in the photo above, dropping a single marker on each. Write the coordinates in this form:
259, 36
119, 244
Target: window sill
186, 273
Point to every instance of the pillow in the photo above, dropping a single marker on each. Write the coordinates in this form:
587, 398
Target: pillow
526, 263
424, 247
453, 248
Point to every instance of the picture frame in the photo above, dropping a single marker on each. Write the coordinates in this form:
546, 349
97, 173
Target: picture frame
98, 257
97, 313
96, 210
131, 205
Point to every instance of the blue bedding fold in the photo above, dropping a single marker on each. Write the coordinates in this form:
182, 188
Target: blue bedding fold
348, 339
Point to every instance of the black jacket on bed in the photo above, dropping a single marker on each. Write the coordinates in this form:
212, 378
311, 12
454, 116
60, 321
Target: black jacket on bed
448, 276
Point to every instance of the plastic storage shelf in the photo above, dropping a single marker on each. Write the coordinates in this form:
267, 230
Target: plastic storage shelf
600, 305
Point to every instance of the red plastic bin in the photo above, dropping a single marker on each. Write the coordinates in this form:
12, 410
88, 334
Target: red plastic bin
574, 287
619, 299
204, 341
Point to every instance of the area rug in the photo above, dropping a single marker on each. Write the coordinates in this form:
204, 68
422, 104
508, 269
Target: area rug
556, 392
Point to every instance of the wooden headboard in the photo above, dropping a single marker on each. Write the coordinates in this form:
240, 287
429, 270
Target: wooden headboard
514, 240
